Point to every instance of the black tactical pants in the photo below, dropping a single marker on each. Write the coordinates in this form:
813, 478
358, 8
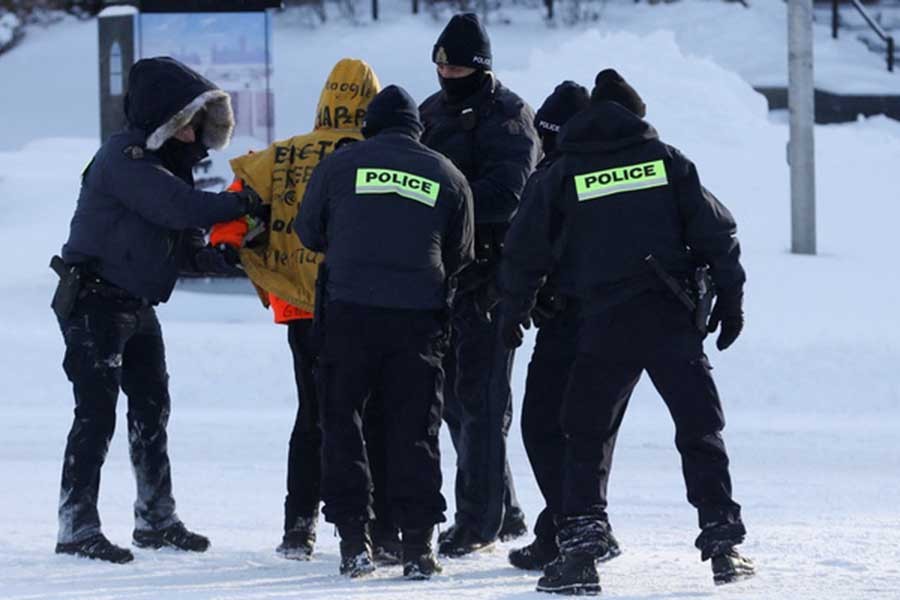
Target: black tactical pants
652, 333
478, 412
396, 353
109, 345
542, 433
304, 471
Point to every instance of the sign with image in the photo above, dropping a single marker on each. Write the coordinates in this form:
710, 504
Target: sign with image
233, 50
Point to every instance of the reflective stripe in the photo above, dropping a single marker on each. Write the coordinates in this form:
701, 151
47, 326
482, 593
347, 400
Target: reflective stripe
387, 181
620, 180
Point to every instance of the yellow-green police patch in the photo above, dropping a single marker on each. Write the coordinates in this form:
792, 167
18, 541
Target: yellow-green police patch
619, 180
388, 181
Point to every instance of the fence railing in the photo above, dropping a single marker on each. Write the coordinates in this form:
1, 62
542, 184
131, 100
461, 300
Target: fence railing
878, 29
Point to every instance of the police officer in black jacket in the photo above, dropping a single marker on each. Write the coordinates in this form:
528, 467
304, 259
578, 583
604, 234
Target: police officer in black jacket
487, 131
394, 219
615, 196
134, 227
556, 316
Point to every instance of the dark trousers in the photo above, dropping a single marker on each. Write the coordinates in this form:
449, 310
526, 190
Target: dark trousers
110, 346
542, 434
478, 412
652, 333
304, 471
397, 354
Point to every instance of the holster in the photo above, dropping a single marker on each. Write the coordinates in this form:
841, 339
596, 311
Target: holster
68, 288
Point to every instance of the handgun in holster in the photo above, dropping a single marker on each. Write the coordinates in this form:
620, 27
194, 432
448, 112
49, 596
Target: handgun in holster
68, 288
697, 298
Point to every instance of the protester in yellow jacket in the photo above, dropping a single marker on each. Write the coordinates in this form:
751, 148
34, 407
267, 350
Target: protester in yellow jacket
284, 272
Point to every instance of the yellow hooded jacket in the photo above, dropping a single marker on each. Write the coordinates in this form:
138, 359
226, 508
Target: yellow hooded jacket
280, 264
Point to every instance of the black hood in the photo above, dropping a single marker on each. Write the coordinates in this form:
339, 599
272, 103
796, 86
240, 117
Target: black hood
392, 109
164, 95
604, 127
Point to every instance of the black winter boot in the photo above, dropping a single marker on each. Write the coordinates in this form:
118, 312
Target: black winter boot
461, 540
356, 549
536, 555
97, 547
387, 550
730, 566
298, 542
513, 526
175, 536
571, 574
419, 561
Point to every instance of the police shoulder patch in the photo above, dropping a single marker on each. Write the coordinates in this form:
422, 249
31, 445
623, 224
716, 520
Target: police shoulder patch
134, 152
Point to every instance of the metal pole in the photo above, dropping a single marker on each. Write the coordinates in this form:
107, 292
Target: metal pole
801, 148
374, 10
890, 51
834, 19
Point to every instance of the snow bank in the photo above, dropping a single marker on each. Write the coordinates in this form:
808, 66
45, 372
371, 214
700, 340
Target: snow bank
9, 23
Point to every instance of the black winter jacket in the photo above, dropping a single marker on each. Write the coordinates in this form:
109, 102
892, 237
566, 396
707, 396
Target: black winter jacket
615, 195
134, 221
383, 247
495, 146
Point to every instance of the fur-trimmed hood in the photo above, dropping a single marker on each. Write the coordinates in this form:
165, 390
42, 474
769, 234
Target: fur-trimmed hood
164, 95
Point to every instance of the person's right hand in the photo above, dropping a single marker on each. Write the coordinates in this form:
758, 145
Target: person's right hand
254, 205
729, 311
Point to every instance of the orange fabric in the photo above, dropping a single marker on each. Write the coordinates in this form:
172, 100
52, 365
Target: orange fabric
286, 312
230, 232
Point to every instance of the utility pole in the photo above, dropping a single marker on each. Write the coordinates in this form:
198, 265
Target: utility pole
801, 147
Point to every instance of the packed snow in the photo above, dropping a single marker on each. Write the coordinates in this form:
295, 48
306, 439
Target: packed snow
811, 389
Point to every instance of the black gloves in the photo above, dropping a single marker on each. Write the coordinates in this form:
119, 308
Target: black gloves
549, 305
729, 311
511, 329
253, 204
215, 261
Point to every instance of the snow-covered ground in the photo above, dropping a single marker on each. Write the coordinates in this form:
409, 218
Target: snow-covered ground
811, 389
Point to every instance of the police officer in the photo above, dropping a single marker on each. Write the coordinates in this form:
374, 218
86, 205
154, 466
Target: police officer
551, 361
487, 131
395, 221
134, 227
615, 196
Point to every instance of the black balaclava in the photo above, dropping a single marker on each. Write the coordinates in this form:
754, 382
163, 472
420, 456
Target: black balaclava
463, 43
392, 108
565, 102
610, 86
461, 88
181, 157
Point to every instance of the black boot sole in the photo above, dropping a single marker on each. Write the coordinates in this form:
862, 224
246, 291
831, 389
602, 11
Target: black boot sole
157, 544
575, 589
79, 554
738, 574
294, 554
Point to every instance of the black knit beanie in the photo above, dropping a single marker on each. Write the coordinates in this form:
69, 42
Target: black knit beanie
610, 86
392, 108
463, 43
567, 99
